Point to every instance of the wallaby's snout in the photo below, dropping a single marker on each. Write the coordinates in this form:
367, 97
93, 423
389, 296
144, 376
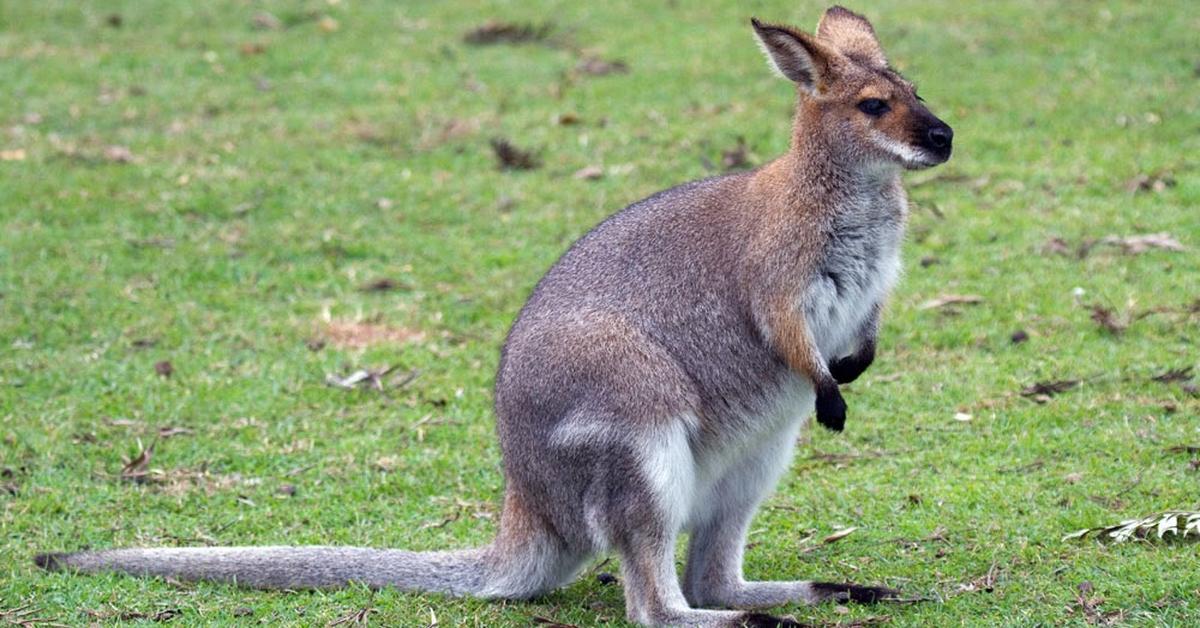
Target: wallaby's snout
935, 138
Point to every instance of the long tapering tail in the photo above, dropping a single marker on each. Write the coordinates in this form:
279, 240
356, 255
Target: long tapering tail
526, 559
461, 572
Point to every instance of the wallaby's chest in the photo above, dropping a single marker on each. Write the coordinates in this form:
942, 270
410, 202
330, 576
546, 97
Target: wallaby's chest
857, 268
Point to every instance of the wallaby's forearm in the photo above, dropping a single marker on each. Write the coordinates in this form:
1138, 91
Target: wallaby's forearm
793, 339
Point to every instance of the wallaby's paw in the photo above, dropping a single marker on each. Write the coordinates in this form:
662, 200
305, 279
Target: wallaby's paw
846, 592
831, 409
847, 369
763, 620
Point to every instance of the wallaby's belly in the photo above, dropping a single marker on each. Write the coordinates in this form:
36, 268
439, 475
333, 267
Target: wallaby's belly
747, 464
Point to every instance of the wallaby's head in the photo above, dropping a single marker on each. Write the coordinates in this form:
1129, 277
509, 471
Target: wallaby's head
848, 93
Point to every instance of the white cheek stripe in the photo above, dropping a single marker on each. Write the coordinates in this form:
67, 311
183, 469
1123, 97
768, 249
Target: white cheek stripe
906, 153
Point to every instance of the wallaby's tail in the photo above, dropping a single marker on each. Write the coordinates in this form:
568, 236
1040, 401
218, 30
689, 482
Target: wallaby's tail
463, 572
525, 560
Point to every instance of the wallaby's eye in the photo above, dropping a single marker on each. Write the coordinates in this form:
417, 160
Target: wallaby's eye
873, 107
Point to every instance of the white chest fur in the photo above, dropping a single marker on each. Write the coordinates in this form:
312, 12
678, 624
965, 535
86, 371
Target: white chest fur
858, 269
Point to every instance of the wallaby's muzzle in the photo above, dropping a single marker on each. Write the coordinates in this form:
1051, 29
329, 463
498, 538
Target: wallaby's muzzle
935, 138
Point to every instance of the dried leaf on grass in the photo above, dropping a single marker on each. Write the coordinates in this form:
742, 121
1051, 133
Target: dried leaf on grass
167, 431
950, 299
1056, 246
1137, 244
1090, 605
135, 470
383, 284
181, 481
839, 535
1025, 468
865, 622
1174, 375
164, 368
497, 32
328, 24
462, 507
1180, 523
1049, 388
25, 616
447, 520
1132, 245
589, 173
449, 131
1108, 320
163, 615
428, 421
1150, 182
355, 617
985, 583
265, 21
118, 154
373, 378
595, 66
509, 157
551, 623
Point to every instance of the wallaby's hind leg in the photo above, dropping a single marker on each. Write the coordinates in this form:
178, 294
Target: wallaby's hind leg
714, 567
652, 593
644, 517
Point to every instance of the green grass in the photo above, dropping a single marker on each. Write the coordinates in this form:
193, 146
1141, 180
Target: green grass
250, 214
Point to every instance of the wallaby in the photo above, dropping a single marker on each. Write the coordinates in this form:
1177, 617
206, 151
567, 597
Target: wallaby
657, 378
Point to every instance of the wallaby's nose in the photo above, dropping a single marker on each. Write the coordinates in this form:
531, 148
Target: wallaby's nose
940, 136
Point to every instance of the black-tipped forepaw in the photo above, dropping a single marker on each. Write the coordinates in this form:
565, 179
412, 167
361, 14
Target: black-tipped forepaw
846, 370
831, 409
846, 592
763, 620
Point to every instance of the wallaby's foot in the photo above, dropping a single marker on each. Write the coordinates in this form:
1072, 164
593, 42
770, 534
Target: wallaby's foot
846, 592
763, 620
758, 595
703, 618
831, 408
830, 591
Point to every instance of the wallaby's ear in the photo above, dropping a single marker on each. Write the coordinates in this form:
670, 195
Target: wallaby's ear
796, 55
852, 35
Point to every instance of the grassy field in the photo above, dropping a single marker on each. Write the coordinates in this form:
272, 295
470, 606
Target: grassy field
209, 208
